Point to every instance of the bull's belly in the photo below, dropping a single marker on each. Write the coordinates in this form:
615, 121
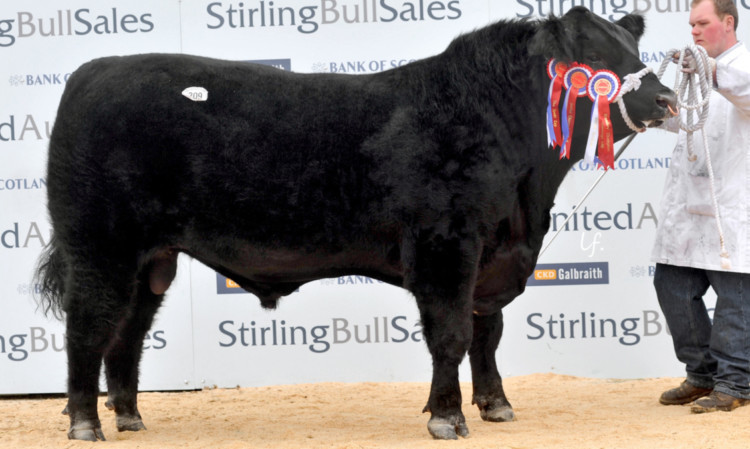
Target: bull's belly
270, 273
285, 265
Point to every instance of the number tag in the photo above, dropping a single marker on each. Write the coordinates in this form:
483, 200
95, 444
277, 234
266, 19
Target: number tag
196, 93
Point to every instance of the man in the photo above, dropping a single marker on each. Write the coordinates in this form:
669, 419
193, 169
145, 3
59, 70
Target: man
687, 248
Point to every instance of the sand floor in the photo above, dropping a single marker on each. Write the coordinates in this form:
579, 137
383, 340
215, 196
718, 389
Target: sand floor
553, 411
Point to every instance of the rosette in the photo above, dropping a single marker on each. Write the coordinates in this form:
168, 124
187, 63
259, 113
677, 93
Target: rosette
556, 71
575, 81
602, 88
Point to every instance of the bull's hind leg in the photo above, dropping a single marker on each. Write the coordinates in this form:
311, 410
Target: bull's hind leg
94, 299
123, 358
442, 279
124, 354
488, 385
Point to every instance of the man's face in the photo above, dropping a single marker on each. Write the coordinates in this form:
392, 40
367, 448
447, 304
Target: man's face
709, 31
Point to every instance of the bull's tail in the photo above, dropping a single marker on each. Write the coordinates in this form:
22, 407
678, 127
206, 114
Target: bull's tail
49, 280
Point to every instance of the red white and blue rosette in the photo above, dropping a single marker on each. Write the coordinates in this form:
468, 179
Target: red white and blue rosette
602, 89
576, 80
556, 72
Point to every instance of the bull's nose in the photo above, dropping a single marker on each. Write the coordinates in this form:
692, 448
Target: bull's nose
668, 101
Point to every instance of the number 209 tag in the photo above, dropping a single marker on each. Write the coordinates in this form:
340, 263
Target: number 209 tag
196, 93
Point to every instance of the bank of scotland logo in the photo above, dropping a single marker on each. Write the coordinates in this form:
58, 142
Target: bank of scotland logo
319, 67
17, 80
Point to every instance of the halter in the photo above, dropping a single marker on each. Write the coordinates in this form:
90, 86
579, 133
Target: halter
632, 82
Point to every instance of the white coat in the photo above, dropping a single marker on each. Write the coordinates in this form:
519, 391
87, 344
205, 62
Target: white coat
687, 234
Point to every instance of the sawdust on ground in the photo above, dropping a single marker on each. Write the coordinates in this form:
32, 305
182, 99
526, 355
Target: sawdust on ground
552, 411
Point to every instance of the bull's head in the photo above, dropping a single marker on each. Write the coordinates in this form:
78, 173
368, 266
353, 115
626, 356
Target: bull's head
583, 37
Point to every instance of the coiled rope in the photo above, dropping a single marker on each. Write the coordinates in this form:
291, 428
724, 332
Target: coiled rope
693, 93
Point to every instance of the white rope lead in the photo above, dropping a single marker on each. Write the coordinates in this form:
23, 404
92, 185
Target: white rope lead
696, 106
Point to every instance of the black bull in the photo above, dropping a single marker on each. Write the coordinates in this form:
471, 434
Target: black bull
436, 177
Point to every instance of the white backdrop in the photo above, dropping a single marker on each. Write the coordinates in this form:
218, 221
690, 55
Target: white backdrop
346, 329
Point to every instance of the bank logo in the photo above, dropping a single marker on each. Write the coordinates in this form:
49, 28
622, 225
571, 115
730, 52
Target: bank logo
17, 80
359, 65
27, 289
653, 57
639, 271
350, 280
570, 274
224, 285
39, 79
632, 163
10, 184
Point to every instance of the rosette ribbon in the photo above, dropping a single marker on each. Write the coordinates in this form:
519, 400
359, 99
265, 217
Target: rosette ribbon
602, 89
556, 71
575, 81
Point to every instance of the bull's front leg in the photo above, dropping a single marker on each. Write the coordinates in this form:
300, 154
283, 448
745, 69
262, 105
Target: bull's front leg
488, 385
442, 279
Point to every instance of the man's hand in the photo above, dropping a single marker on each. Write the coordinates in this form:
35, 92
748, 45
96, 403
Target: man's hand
690, 65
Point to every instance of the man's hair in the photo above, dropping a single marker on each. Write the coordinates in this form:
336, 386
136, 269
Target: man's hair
722, 8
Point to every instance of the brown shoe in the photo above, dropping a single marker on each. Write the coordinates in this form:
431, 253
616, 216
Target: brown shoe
684, 394
718, 401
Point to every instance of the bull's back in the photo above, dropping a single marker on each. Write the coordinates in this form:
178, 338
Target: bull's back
266, 147
248, 109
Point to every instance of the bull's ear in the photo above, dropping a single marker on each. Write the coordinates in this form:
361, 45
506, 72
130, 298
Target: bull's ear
635, 23
551, 40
